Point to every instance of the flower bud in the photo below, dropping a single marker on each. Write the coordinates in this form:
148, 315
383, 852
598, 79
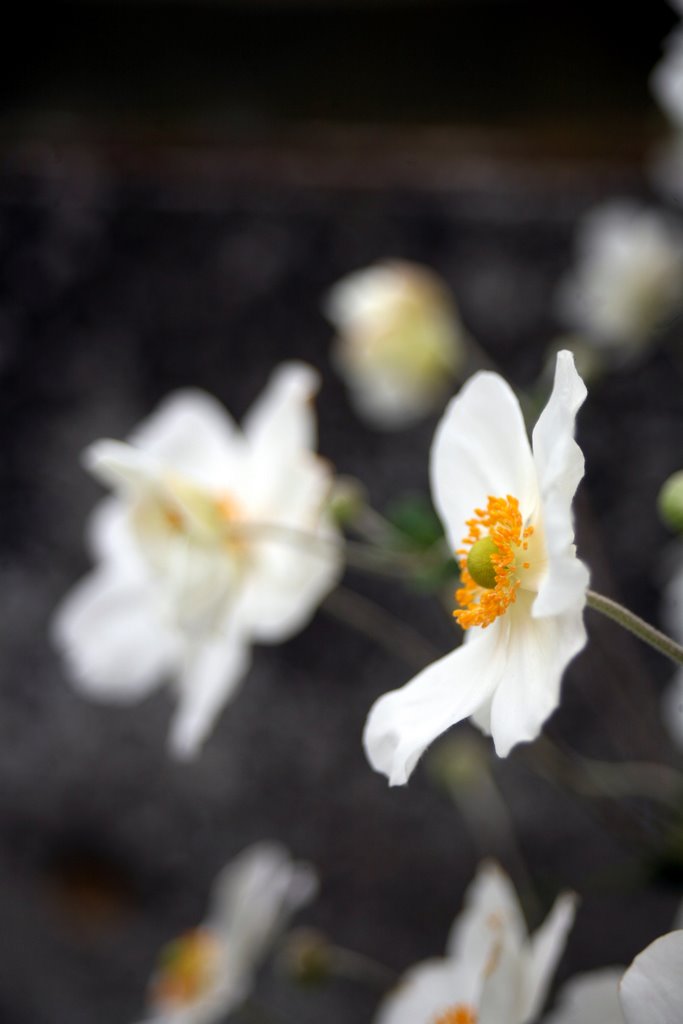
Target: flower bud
670, 502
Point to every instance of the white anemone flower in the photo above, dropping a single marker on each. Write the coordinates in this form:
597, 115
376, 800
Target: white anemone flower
206, 973
216, 537
628, 277
494, 972
650, 990
400, 341
507, 511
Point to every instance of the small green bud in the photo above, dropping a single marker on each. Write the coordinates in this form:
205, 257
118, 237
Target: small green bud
479, 564
306, 957
347, 500
670, 502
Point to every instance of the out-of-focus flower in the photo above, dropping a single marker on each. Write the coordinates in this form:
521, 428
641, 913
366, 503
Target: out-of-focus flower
400, 341
216, 537
650, 990
667, 78
670, 501
494, 972
507, 511
628, 278
206, 973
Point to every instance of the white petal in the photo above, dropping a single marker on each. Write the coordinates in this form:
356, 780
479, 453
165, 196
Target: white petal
560, 465
590, 998
547, 946
279, 427
195, 435
652, 987
480, 448
212, 675
115, 644
403, 723
491, 910
428, 990
123, 467
110, 538
536, 653
254, 897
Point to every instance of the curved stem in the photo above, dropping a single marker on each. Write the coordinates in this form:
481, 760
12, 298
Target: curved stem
634, 624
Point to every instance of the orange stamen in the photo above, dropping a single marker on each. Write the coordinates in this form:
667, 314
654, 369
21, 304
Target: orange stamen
459, 1014
502, 521
187, 969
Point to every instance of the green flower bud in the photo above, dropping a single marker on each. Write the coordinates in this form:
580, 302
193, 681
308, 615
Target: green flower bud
670, 502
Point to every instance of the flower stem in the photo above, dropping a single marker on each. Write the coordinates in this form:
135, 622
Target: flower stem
634, 624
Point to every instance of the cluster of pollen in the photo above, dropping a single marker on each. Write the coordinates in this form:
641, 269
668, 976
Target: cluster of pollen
501, 522
459, 1014
187, 969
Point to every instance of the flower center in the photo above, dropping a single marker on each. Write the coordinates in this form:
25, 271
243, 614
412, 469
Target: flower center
459, 1014
490, 562
187, 968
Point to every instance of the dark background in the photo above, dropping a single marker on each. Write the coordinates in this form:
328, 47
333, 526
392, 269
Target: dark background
180, 185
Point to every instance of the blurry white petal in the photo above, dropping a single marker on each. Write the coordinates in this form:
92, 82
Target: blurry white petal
402, 724
547, 946
560, 466
115, 645
491, 909
254, 897
193, 433
535, 655
428, 990
652, 987
213, 672
590, 998
480, 448
123, 467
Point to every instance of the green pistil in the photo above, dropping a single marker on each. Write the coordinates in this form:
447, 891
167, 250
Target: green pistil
479, 563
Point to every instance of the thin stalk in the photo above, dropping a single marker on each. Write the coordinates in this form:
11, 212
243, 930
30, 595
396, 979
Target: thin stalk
634, 624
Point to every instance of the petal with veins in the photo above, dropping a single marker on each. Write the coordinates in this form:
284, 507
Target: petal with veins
652, 987
480, 448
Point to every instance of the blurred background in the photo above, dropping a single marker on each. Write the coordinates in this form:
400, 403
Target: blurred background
180, 186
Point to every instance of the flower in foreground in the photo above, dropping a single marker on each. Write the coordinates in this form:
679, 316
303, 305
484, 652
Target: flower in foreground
494, 972
216, 537
628, 278
400, 341
206, 973
650, 990
507, 511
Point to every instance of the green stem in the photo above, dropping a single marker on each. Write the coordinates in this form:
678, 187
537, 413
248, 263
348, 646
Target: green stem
634, 624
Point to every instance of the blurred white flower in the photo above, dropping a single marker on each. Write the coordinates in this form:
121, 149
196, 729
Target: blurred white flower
507, 512
628, 278
400, 342
494, 972
206, 973
216, 537
650, 990
667, 78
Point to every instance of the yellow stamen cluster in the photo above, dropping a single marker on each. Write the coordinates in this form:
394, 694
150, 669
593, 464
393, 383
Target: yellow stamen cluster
187, 969
459, 1014
501, 522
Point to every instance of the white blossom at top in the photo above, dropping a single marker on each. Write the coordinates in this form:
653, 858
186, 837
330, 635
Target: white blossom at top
507, 511
215, 537
494, 972
628, 278
650, 990
400, 342
209, 971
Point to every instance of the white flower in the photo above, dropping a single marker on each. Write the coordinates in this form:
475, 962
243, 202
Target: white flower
400, 344
216, 537
507, 511
494, 972
628, 278
667, 78
650, 990
209, 971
